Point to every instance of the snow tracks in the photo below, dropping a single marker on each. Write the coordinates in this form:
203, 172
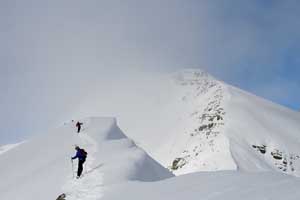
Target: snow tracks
112, 159
89, 186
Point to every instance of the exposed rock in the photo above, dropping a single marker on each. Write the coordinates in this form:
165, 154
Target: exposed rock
262, 148
276, 155
178, 163
61, 197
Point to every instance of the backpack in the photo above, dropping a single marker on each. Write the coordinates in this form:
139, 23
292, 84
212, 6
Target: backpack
84, 153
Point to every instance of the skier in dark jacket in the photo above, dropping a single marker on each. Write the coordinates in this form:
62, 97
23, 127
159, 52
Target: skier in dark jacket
78, 125
81, 155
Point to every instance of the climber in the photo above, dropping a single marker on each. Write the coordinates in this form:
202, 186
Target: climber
78, 125
81, 154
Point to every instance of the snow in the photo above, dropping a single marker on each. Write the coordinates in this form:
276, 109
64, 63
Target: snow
210, 126
255, 121
9, 147
41, 168
212, 186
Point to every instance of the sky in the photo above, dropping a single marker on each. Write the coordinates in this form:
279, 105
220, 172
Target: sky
54, 53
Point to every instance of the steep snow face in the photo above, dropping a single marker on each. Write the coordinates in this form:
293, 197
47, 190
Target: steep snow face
42, 168
262, 135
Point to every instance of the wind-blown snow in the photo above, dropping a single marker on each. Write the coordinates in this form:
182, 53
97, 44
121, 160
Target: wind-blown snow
9, 147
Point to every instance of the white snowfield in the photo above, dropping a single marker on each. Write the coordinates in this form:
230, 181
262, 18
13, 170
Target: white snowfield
41, 168
222, 185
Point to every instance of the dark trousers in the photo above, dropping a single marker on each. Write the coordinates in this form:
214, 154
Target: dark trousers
78, 129
80, 167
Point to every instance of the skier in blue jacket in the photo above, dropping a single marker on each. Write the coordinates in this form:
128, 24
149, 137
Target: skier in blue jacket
81, 154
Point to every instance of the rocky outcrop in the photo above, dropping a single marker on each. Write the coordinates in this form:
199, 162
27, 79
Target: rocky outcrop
282, 160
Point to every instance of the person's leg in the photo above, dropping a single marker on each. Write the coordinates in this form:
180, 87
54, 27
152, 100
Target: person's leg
78, 130
80, 168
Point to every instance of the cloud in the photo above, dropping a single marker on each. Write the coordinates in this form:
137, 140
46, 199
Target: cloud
55, 53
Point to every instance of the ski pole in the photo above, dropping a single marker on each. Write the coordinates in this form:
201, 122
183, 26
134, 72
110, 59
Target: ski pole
72, 168
85, 168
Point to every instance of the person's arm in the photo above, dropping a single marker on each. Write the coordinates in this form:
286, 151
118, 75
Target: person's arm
76, 156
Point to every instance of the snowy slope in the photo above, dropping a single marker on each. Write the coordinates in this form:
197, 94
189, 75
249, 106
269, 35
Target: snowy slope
263, 135
41, 168
212, 186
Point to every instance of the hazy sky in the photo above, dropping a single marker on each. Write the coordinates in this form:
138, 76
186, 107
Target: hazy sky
54, 52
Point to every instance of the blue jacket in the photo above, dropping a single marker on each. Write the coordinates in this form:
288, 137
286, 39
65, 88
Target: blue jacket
79, 155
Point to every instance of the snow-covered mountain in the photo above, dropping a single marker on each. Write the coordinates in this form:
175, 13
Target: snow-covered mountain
214, 126
198, 123
188, 122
